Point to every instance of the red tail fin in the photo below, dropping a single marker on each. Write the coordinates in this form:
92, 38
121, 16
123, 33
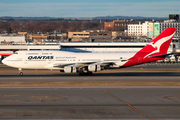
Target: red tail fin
158, 46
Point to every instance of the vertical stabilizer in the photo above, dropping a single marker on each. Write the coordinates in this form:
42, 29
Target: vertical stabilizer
157, 47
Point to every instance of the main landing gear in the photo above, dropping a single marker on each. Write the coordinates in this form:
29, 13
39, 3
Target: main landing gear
20, 72
85, 73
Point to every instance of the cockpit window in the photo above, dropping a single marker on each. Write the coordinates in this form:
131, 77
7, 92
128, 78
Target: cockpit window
15, 52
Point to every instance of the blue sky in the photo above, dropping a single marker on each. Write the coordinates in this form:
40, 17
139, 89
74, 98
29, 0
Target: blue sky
88, 8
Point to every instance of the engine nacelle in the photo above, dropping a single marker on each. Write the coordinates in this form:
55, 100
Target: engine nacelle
94, 68
70, 69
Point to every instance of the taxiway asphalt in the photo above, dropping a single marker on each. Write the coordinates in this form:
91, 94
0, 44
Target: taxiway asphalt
41, 78
90, 103
135, 102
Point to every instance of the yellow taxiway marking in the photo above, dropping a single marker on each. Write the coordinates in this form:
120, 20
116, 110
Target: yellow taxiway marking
11, 95
129, 105
55, 88
177, 97
1, 112
38, 97
45, 98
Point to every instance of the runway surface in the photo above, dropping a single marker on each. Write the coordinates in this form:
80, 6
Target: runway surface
124, 76
95, 102
90, 103
41, 78
150, 75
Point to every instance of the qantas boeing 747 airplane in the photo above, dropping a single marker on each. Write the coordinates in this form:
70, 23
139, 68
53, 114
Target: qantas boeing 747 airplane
86, 63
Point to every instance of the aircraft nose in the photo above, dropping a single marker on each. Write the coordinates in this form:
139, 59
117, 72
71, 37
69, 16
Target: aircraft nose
9, 61
4, 61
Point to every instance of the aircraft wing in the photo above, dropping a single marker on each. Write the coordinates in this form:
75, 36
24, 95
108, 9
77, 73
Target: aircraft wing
73, 64
81, 65
62, 65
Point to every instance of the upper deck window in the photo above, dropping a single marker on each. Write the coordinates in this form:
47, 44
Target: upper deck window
45, 53
32, 53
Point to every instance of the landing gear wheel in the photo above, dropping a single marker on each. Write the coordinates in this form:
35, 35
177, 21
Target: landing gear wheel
89, 73
21, 73
81, 74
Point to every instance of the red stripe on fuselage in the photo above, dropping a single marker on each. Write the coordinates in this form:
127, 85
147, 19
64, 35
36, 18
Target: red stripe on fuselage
5, 54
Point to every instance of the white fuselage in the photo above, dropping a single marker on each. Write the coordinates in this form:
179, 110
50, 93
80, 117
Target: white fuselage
71, 62
51, 59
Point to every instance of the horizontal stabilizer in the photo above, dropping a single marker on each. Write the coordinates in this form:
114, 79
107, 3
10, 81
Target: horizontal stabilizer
162, 55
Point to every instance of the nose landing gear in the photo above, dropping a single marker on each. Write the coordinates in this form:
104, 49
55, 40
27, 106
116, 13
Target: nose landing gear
20, 72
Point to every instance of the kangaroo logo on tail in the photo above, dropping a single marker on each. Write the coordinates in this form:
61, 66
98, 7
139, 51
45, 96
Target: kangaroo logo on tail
157, 45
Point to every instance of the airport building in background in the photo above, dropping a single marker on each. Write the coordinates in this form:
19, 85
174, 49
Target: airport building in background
90, 36
135, 30
152, 29
141, 29
170, 23
118, 25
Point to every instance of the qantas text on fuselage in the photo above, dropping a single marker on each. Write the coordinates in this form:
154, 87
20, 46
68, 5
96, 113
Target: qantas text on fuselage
40, 57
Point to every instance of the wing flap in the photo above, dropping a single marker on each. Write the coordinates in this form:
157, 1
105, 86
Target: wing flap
73, 64
61, 65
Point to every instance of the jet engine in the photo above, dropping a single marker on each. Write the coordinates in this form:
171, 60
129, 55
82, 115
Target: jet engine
94, 67
70, 69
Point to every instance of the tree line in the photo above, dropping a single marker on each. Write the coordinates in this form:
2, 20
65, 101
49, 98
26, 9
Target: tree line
48, 26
